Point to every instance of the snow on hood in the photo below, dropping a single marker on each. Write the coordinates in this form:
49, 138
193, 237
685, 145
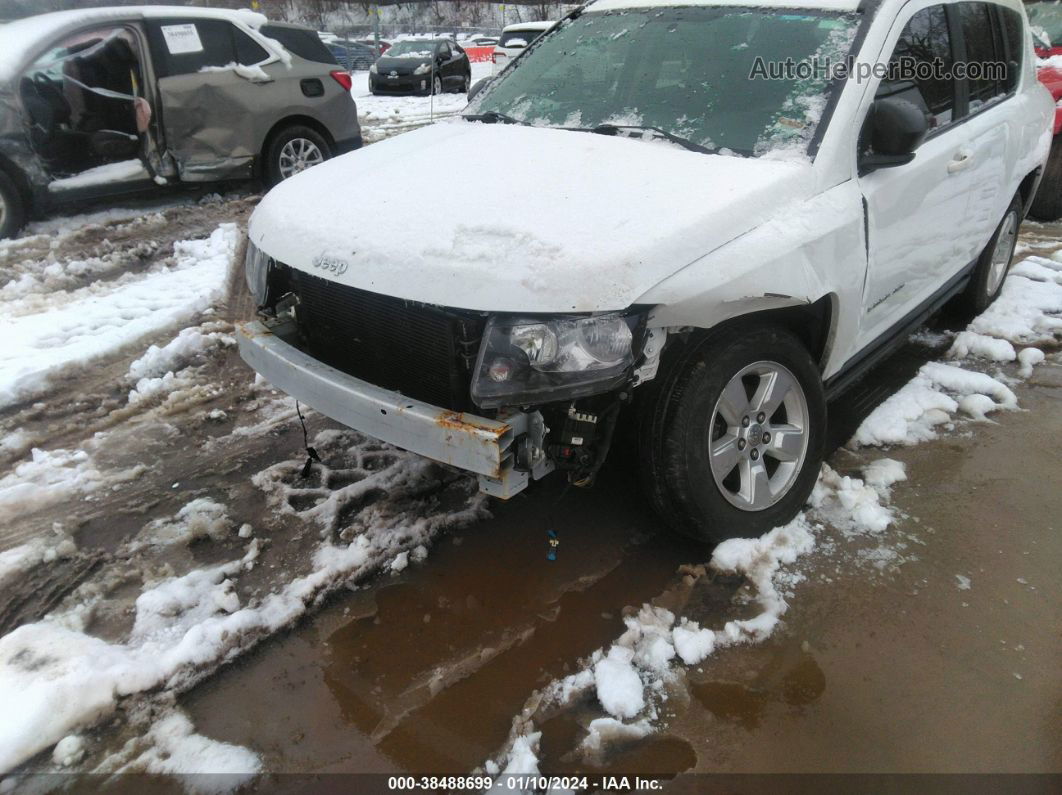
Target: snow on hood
568, 221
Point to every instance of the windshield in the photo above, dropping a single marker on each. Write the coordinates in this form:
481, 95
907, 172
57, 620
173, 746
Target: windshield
412, 48
1046, 21
698, 73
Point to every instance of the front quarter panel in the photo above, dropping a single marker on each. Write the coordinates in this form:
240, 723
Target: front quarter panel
810, 251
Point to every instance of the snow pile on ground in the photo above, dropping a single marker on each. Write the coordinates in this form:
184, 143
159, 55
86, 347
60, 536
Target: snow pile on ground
161, 370
172, 747
852, 505
48, 343
189, 343
23, 558
201, 518
52, 476
1026, 311
34, 288
912, 414
1025, 314
629, 679
56, 679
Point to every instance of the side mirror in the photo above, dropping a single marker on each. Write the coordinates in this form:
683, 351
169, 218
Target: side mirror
478, 86
893, 130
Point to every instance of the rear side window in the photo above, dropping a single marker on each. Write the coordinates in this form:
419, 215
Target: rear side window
984, 64
304, 43
519, 38
1014, 43
913, 73
184, 46
248, 51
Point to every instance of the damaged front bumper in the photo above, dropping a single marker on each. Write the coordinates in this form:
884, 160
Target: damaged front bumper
505, 453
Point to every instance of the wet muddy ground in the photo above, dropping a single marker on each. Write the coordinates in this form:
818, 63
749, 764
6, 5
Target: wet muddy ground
884, 669
876, 671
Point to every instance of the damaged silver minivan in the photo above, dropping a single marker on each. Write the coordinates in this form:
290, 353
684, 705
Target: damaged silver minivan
722, 250
107, 101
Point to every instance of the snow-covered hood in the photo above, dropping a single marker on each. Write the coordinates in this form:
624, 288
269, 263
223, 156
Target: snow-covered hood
565, 222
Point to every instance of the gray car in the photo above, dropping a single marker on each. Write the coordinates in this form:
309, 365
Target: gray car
110, 101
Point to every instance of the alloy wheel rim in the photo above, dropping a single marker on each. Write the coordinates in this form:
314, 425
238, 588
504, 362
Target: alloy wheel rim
1002, 253
438, 85
758, 436
297, 155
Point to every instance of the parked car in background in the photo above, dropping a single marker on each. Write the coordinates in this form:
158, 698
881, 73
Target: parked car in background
102, 102
421, 66
1045, 19
514, 40
482, 41
352, 56
791, 235
385, 45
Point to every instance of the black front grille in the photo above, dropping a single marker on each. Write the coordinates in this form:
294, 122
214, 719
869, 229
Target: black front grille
422, 351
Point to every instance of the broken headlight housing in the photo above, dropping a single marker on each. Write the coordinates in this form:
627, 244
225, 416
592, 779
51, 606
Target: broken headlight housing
256, 265
524, 361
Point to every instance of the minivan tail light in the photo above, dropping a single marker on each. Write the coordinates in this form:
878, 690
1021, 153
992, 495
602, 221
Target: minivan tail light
342, 78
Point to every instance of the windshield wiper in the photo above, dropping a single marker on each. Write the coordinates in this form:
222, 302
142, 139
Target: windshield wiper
493, 117
613, 129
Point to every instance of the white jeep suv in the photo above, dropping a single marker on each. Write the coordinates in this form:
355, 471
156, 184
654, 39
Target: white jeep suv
727, 212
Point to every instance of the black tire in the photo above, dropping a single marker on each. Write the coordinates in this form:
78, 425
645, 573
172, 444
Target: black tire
678, 423
986, 281
12, 207
466, 85
1047, 204
273, 170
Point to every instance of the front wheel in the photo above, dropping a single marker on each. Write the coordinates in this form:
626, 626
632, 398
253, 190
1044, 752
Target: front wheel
1047, 204
732, 440
294, 150
12, 208
437, 86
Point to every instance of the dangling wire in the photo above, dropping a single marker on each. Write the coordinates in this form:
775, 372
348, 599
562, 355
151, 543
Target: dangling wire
311, 454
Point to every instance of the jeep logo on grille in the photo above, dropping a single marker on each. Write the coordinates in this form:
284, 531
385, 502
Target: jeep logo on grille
330, 264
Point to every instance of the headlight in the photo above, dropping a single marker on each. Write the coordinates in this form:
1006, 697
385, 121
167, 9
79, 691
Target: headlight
527, 360
423, 69
373, 70
256, 270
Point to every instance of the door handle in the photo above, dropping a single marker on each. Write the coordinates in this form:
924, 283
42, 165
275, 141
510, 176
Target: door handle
963, 158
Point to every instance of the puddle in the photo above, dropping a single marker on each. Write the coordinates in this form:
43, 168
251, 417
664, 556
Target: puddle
789, 676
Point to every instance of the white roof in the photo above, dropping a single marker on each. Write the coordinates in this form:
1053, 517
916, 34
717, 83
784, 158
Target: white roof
23, 39
816, 5
546, 25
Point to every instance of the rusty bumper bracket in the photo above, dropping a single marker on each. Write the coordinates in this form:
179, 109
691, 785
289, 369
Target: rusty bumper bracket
475, 444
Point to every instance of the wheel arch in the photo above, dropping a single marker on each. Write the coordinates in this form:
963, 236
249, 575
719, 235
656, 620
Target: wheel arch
813, 323
1027, 189
294, 120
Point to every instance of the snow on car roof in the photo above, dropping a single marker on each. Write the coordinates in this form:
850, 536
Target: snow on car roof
528, 26
818, 5
21, 39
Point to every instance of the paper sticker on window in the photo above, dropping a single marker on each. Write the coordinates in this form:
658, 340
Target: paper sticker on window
181, 39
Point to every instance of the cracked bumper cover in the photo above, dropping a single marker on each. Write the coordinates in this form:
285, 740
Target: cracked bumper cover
479, 445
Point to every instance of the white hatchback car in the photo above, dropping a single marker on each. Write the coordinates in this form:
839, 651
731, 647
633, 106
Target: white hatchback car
727, 213
514, 40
